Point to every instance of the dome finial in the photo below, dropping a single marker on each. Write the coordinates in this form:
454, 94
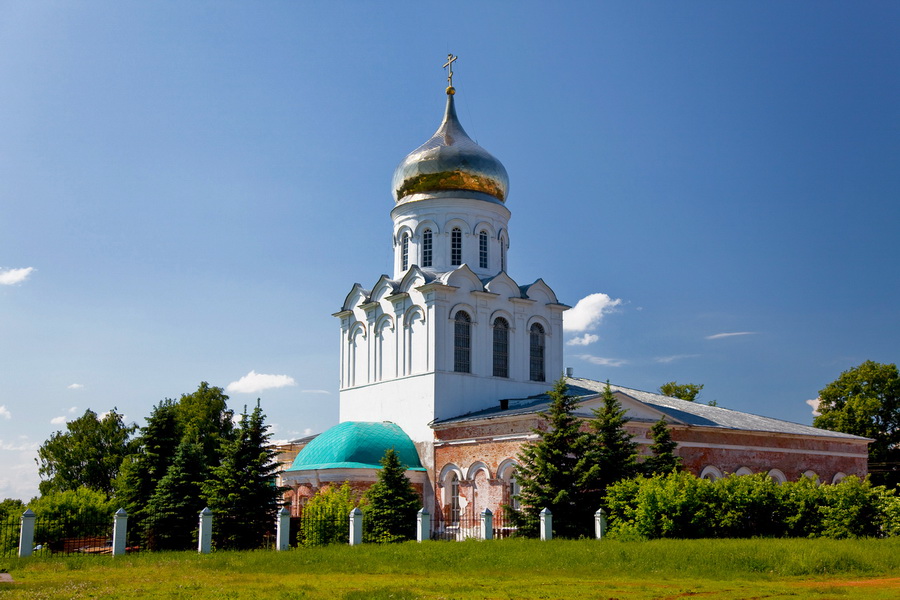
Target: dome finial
449, 66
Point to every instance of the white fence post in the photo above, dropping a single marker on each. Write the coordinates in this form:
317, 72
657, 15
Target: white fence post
120, 530
283, 530
546, 525
423, 525
356, 517
600, 524
26, 533
487, 524
204, 540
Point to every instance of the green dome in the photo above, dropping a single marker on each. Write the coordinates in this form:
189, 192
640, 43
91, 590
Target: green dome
357, 445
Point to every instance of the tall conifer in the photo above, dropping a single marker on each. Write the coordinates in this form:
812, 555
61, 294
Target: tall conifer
613, 450
391, 503
554, 471
662, 460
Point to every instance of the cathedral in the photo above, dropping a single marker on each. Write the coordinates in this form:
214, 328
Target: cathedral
448, 360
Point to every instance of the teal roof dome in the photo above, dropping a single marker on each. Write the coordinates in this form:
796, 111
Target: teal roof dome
357, 445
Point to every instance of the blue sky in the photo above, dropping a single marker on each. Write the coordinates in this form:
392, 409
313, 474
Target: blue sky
189, 190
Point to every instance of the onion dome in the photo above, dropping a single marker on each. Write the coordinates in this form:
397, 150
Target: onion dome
357, 445
450, 161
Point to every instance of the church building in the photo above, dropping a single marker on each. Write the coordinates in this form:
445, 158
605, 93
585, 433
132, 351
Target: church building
448, 360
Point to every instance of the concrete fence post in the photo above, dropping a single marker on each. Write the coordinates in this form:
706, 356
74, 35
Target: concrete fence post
283, 529
356, 517
204, 540
487, 524
120, 531
600, 524
546, 525
423, 525
26, 534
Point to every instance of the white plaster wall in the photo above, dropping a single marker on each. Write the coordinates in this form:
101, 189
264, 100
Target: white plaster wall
471, 212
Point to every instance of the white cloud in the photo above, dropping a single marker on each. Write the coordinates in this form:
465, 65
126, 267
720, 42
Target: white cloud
718, 336
4, 412
669, 359
14, 276
315, 392
814, 404
58, 421
600, 360
254, 382
586, 339
75, 386
72, 410
588, 312
307, 431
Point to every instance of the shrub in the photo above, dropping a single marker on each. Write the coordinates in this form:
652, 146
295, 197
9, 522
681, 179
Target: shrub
326, 518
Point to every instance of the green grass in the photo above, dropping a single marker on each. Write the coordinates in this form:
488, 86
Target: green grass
733, 569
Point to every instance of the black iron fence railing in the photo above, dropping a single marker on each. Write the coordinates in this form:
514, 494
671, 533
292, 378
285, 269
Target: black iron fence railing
9, 537
470, 525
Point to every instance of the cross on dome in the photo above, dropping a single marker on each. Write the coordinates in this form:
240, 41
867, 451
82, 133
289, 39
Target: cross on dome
449, 66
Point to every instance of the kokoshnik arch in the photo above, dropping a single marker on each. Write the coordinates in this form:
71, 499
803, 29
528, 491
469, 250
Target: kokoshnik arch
449, 358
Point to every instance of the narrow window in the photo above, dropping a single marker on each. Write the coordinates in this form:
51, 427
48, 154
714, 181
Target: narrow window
537, 353
501, 347
462, 343
503, 255
454, 498
456, 247
483, 250
404, 249
426, 248
513, 492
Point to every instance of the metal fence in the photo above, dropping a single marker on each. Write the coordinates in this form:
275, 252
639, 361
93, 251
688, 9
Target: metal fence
469, 525
9, 537
78, 534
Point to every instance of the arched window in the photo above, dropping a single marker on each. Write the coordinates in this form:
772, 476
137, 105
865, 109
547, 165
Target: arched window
501, 347
404, 251
454, 498
503, 255
456, 247
536, 353
513, 491
426, 248
462, 343
483, 250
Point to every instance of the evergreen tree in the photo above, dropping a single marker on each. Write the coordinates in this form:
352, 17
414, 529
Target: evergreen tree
391, 503
613, 450
170, 518
241, 490
555, 472
663, 460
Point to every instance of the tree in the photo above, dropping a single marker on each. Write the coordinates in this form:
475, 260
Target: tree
391, 503
241, 490
71, 513
613, 449
662, 459
865, 401
201, 418
325, 517
555, 471
87, 455
683, 391
170, 517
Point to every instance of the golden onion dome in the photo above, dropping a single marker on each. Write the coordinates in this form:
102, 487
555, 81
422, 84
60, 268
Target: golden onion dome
450, 161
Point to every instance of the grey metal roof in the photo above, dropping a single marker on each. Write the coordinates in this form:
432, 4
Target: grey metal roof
679, 411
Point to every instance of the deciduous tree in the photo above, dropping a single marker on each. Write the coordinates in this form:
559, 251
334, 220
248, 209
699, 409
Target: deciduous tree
683, 391
865, 401
88, 454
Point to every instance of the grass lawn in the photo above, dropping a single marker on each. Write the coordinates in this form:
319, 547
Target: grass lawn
734, 569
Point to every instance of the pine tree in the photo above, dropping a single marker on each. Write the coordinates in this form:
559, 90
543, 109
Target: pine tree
555, 472
391, 503
241, 491
170, 518
663, 460
613, 450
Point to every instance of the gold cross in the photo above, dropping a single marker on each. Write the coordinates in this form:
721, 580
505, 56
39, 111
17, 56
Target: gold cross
449, 65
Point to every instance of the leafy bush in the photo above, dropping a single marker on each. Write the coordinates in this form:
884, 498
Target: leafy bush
680, 505
326, 518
